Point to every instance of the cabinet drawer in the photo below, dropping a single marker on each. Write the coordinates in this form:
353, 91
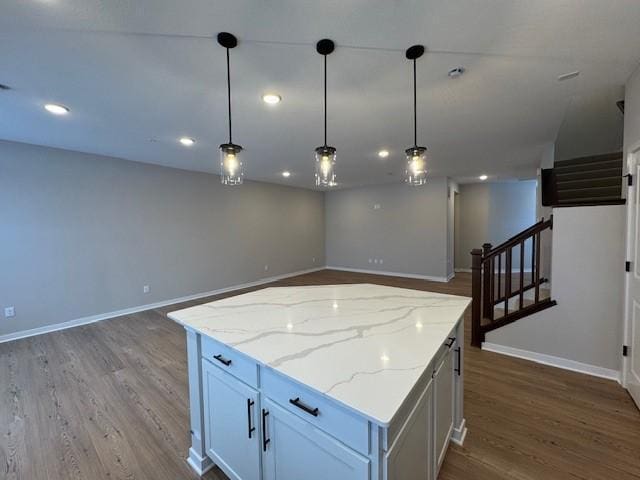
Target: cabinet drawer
318, 410
230, 361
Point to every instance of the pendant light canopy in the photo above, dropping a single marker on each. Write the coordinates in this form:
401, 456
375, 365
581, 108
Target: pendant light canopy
416, 171
325, 155
231, 168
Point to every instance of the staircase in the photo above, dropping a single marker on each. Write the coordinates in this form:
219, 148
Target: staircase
584, 181
507, 283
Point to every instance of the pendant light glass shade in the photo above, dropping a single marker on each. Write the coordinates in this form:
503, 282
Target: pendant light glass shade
325, 166
416, 171
231, 169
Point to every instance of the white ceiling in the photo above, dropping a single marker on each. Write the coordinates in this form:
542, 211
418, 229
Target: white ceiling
139, 74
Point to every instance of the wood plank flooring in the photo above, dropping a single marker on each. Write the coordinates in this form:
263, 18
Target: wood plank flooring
109, 401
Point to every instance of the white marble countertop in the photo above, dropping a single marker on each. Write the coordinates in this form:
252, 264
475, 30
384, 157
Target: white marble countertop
363, 345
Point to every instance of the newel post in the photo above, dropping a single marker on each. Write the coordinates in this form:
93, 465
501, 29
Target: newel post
487, 302
476, 294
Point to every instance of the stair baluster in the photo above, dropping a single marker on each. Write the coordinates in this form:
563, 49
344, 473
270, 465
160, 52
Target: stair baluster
487, 284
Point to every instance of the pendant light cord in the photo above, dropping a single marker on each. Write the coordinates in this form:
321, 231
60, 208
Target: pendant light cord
325, 100
229, 95
415, 108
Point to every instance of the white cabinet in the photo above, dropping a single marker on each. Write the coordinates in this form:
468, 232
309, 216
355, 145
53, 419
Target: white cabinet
294, 449
410, 455
231, 412
443, 394
257, 424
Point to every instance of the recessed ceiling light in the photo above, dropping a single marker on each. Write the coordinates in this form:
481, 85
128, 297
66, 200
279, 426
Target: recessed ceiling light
286, 174
271, 98
456, 72
187, 141
383, 153
56, 109
568, 76
483, 177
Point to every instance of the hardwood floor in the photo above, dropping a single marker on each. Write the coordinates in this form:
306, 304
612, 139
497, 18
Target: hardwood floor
109, 401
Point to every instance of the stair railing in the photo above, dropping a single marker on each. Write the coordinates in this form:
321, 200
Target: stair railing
490, 291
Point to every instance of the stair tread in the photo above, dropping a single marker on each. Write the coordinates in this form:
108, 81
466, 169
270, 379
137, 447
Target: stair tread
590, 174
611, 181
614, 190
588, 166
590, 159
584, 202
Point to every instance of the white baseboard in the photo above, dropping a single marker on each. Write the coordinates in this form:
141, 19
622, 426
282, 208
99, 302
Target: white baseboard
462, 270
552, 361
391, 274
200, 465
127, 311
459, 434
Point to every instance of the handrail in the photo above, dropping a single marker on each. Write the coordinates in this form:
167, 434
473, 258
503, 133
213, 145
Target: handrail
492, 285
517, 235
516, 239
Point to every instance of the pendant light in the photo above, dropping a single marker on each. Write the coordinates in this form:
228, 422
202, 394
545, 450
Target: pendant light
325, 155
416, 172
231, 168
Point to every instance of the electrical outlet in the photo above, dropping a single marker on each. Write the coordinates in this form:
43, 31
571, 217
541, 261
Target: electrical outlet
376, 206
266, 268
381, 261
370, 260
313, 259
375, 260
145, 289
9, 312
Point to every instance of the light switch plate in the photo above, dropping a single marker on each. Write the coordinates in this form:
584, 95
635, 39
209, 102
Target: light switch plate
9, 312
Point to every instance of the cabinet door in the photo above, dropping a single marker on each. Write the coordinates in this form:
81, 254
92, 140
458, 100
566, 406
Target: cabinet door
294, 449
443, 404
232, 436
411, 455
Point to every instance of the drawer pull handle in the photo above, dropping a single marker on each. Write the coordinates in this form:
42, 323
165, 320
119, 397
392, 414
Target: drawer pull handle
311, 411
458, 368
265, 440
452, 340
222, 360
250, 404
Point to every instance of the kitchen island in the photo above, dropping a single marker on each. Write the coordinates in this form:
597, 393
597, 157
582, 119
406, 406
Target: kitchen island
344, 382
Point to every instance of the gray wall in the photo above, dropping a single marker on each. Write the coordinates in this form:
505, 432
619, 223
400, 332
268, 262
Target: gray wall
408, 231
632, 113
81, 234
492, 212
452, 192
586, 325
593, 124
